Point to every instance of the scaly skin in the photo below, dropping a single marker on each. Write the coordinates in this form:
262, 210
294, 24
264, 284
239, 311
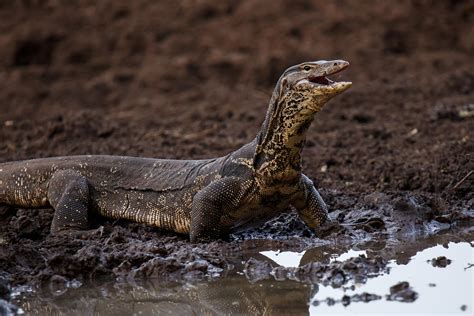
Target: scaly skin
205, 198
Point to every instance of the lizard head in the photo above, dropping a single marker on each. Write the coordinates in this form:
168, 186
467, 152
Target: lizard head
301, 91
307, 84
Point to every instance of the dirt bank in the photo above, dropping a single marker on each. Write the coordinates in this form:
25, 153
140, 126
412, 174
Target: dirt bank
192, 80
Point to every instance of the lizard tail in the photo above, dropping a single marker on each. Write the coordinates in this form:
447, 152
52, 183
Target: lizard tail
20, 188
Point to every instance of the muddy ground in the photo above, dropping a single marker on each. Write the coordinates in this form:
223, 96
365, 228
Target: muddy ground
192, 79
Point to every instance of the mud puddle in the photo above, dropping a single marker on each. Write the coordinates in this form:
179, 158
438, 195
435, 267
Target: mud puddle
433, 275
439, 279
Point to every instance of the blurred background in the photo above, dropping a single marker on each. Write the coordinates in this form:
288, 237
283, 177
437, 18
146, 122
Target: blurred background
192, 79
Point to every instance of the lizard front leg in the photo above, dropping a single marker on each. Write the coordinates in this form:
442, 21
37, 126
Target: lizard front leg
210, 204
311, 206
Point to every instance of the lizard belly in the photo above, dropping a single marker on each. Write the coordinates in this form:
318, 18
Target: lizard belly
167, 210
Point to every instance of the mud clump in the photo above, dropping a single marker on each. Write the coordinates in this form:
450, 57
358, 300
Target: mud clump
402, 292
440, 262
126, 252
336, 274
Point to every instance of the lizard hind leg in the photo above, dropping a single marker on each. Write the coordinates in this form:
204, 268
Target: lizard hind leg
68, 194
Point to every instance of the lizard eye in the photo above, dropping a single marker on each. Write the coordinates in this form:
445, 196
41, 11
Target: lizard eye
307, 68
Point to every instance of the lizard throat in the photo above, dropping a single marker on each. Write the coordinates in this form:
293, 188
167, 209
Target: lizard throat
279, 155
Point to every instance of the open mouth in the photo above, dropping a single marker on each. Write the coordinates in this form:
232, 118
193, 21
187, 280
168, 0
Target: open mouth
335, 68
323, 80
320, 80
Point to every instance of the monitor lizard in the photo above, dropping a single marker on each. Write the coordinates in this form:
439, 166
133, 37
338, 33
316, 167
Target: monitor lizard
207, 198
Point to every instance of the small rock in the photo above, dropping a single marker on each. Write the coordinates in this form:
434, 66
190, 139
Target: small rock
440, 262
330, 301
399, 287
402, 292
337, 279
413, 132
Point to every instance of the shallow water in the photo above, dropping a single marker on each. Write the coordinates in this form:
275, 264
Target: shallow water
439, 290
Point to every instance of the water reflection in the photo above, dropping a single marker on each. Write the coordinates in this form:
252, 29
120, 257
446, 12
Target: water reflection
441, 289
227, 296
235, 295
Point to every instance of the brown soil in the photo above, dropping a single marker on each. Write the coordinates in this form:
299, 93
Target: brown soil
186, 79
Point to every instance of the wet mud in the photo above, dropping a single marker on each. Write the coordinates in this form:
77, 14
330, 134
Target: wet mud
253, 285
393, 156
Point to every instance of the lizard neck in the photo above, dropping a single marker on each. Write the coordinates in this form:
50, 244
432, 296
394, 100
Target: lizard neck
281, 139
